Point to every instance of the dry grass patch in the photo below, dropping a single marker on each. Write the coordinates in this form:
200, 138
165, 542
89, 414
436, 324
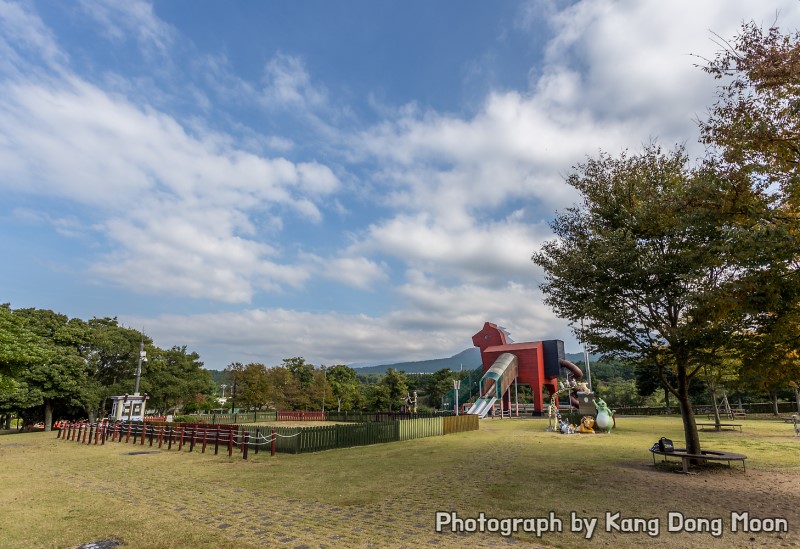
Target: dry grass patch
386, 495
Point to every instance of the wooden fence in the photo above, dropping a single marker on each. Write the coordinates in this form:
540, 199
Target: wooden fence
301, 416
460, 424
292, 440
363, 417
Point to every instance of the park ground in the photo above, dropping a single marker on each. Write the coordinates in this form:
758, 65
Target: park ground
62, 494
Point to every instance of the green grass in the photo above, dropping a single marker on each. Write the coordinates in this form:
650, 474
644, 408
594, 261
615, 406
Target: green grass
60, 494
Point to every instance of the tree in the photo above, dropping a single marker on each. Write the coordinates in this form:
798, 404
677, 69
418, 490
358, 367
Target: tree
640, 258
753, 131
62, 377
173, 377
19, 346
345, 387
396, 388
438, 384
285, 390
253, 390
111, 354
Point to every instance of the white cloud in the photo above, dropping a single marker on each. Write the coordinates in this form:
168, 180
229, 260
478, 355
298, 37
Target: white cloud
436, 326
287, 84
175, 201
119, 19
24, 33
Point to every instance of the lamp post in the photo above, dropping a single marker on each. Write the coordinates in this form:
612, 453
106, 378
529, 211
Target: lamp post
142, 358
456, 386
223, 389
324, 387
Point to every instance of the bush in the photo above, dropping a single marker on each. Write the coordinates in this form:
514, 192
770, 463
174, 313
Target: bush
189, 419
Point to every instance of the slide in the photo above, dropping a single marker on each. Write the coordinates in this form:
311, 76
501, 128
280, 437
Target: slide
579, 401
482, 406
495, 382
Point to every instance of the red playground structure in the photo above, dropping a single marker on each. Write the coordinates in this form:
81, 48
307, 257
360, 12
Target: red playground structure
534, 363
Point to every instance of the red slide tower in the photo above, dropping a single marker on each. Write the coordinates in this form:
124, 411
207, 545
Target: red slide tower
538, 361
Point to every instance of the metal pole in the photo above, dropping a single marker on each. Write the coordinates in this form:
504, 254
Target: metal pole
457, 386
586, 359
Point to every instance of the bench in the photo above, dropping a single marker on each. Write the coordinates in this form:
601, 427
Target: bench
705, 455
731, 426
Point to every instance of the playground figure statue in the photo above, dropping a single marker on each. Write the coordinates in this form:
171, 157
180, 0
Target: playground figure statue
605, 417
567, 428
587, 422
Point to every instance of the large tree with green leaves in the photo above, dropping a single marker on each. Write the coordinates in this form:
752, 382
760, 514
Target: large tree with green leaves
345, 387
753, 132
640, 259
173, 377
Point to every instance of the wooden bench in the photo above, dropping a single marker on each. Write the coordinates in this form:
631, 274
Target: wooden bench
705, 455
731, 426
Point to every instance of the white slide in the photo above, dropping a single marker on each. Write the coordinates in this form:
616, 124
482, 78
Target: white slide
482, 406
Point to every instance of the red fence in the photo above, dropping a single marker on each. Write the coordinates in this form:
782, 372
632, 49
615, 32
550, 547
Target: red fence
165, 436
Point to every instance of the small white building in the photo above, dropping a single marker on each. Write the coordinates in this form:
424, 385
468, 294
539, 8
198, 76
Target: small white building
128, 407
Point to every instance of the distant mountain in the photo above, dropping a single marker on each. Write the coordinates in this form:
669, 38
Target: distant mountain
469, 359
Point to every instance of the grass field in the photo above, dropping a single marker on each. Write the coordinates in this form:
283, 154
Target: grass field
62, 494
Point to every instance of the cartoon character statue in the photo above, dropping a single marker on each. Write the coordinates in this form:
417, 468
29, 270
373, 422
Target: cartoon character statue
587, 424
567, 428
605, 417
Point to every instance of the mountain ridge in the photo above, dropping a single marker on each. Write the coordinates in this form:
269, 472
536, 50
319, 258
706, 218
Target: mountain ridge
468, 359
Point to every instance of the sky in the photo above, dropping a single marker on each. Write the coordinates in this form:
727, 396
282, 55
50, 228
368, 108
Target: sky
352, 182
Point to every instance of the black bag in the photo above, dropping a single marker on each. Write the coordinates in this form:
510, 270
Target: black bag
665, 445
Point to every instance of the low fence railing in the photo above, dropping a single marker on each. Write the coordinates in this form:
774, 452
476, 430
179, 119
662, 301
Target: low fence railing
293, 440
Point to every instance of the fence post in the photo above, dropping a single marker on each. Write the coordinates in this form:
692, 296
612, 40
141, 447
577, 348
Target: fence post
128, 436
216, 441
230, 443
258, 440
274, 441
205, 436
245, 444
170, 434
85, 432
180, 439
161, 436
144, 432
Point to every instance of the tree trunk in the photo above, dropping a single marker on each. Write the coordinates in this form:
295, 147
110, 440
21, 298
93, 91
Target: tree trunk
666, 401
8, 420
338, 404
796, 397
690, 434
773, 395
48, 415
717, 420
92, 415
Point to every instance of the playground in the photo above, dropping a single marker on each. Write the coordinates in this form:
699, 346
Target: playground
386, 495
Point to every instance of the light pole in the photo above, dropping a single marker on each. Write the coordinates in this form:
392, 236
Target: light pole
456, 386
324, 387
223, 389
142, 358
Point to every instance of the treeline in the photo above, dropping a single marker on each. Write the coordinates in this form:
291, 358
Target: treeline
51, 364
298, 385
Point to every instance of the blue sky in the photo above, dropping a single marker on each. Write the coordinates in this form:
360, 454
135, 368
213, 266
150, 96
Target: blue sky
350, 181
